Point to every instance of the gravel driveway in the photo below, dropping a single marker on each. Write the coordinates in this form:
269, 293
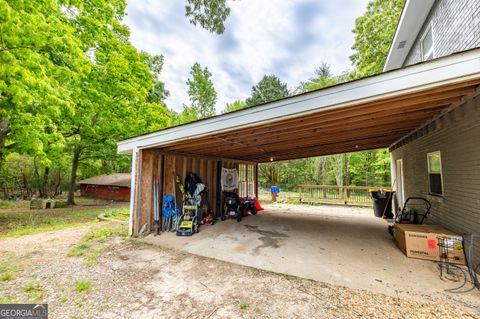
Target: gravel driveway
135, 280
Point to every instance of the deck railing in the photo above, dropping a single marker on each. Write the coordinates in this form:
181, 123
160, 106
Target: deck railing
348, 195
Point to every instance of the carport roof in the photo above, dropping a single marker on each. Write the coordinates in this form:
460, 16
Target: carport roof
364, 114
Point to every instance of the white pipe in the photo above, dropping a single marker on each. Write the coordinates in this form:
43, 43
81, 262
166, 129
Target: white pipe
133, 189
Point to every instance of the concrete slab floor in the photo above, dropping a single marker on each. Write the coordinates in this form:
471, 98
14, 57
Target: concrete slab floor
338, 245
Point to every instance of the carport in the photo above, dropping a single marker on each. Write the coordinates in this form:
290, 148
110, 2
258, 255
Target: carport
369, 113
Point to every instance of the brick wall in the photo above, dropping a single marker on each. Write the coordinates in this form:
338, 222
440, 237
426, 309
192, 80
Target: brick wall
457, 138
455, 27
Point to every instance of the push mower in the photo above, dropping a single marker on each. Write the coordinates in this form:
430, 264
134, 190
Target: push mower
414, 211
248, 205
231, 206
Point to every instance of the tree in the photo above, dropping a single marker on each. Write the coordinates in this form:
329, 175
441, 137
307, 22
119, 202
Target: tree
323, 78
40, 57
201, 91
374, 32
235, 106
270, 88
209, 14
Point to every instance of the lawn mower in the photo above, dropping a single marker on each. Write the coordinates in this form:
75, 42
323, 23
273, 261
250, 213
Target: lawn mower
414, 211
231, 206
250, 205
188, 221
191, 214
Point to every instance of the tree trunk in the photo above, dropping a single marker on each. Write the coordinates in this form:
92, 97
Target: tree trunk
58, 180
3, 138
73, 176
44, 191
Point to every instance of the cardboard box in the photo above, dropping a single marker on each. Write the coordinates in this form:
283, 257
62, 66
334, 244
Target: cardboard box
429, 242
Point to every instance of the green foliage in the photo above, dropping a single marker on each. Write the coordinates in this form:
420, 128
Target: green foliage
243, 305
366, 168
235, 106
83, 285
323, 78
374, 32
209, 14
201, 92
24, 223
270, 88
71, 86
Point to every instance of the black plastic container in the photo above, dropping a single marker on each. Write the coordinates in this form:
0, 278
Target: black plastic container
382, 199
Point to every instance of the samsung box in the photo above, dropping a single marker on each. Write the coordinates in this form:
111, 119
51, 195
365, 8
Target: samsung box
431, 242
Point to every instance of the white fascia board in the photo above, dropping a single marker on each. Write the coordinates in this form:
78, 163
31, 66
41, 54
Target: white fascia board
413, 17
450, 69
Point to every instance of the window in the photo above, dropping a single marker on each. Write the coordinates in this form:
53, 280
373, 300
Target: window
246, 180
435, 179
427, 45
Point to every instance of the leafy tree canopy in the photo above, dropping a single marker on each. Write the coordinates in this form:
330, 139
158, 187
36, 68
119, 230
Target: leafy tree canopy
235, 106
201, 91
209, 14
374, 32
270, 88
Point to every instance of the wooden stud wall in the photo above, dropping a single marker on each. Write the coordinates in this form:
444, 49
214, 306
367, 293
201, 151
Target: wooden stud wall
150, 163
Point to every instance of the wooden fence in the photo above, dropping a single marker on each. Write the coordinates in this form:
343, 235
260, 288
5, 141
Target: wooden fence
348, 195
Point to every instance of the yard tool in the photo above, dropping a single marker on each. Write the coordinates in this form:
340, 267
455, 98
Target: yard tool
156, 206
414, 211
231, 206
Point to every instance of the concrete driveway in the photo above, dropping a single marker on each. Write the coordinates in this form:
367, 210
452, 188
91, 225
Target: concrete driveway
338, 245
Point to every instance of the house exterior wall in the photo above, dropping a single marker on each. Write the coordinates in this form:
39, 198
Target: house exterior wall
105, 192
455, 27
456, 136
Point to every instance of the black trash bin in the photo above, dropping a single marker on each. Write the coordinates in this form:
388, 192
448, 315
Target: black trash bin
382, 202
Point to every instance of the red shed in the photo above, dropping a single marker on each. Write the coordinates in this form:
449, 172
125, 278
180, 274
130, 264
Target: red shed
114, 186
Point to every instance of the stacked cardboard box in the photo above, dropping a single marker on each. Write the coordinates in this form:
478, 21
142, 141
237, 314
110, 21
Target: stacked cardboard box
431, 242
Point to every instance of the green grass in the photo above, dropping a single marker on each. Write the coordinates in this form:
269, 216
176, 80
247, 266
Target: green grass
6, 276
35, 292
83, 285
243, 305
24, 223
122, 214
91, 246
14, 204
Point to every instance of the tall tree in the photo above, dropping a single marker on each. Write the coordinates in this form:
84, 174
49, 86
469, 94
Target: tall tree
269, 88
209, 14
201, 91
374, 32
40, 57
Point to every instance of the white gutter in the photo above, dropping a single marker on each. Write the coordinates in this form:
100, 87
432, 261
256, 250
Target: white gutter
413, 17
451, 69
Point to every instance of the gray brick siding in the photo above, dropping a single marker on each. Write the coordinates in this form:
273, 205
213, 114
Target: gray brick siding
455, 27
458, 140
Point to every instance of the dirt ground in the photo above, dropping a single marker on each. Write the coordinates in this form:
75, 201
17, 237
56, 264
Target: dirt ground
135, 280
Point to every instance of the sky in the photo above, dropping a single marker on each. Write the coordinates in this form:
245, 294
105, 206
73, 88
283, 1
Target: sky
288, 38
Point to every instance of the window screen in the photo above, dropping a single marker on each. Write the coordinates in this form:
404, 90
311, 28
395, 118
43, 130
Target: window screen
435, 173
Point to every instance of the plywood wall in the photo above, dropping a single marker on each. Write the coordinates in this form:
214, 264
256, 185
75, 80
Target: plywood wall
150, 165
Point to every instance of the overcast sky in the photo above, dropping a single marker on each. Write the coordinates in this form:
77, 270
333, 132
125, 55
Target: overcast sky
288, 38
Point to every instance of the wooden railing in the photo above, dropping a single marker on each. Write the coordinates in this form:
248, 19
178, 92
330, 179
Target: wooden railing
348, 195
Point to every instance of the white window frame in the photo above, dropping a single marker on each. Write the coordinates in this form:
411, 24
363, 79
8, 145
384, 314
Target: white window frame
431, 51
441, 173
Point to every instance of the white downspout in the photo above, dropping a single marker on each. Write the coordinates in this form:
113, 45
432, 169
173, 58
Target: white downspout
133, 184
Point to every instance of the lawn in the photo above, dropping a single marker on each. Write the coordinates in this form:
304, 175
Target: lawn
23, 222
